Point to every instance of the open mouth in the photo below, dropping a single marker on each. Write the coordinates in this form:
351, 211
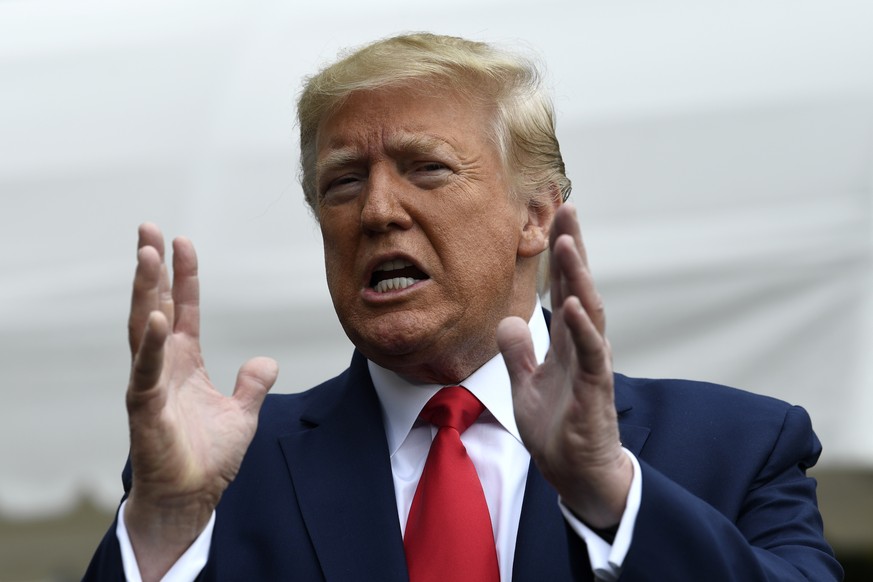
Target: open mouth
395, 275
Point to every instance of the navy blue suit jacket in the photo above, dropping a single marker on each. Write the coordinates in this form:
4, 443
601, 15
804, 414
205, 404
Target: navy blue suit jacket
724, 496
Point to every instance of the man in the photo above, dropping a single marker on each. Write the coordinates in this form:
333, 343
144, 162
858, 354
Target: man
432, 167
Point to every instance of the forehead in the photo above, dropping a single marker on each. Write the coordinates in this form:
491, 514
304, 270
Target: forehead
407, 119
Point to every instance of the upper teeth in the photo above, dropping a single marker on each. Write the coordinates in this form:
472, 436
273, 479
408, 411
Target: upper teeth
393, 265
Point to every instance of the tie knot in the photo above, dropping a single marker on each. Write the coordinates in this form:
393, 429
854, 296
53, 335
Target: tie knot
453, 406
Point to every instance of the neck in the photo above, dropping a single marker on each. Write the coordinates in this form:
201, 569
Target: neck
454, 367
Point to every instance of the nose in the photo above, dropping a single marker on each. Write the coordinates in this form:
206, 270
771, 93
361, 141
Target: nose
384, 202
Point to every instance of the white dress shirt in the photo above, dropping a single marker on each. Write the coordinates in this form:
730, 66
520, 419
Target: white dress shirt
494, 446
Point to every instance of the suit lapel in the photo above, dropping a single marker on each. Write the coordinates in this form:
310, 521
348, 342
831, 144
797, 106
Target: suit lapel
545, 548
342, 478
633, 437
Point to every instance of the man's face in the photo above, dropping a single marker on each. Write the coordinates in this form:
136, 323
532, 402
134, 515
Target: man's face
421, 238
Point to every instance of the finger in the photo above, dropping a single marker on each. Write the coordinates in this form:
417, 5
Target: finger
515, 343
576, 280
150, 235
254, 380
558, 293
567, 222
592, 349
165, 295
145, 296
186, 288
148, 363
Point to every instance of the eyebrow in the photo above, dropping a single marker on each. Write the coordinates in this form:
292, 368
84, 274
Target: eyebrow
415, 143
335, 159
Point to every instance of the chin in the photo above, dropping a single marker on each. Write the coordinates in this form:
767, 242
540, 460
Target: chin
390, 335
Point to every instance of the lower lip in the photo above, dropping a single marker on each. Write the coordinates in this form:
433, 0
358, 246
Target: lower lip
370, 295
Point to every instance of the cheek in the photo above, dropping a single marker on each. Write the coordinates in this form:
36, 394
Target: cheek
337, 264
486, 234
486, 258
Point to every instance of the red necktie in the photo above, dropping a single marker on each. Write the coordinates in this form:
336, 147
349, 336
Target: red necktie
448, 533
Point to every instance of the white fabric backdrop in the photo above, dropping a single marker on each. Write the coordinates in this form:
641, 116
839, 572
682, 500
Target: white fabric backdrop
722, 158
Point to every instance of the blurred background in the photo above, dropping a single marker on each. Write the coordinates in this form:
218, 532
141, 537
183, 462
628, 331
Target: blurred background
722, 160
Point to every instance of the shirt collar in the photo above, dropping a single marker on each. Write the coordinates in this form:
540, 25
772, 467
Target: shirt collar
403, 400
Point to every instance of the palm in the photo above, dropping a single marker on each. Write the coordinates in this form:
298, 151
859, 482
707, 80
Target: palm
564, 407
197, 439
551, 401
187, 439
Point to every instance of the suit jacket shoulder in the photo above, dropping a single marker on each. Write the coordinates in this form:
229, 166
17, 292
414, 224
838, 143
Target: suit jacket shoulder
724, 484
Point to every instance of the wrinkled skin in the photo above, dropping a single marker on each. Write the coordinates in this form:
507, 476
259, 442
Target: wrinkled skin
406, 176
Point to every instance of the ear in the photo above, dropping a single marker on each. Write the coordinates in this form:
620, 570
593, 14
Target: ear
539, 212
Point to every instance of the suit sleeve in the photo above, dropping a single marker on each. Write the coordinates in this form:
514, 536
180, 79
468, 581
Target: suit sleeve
106, 564
776, 534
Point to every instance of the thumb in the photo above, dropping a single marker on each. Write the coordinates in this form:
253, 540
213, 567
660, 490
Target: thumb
254, 380
516, 345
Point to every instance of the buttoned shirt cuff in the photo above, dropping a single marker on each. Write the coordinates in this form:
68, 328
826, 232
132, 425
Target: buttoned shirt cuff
607, 560
186, 568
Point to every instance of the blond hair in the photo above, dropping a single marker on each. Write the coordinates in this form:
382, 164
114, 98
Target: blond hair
523, 126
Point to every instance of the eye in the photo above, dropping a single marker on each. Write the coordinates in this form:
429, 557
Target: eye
431, 167
430, 174
342, 181
342, 188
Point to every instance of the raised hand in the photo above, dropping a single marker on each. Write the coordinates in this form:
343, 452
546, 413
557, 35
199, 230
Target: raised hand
187, 440
565, 407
